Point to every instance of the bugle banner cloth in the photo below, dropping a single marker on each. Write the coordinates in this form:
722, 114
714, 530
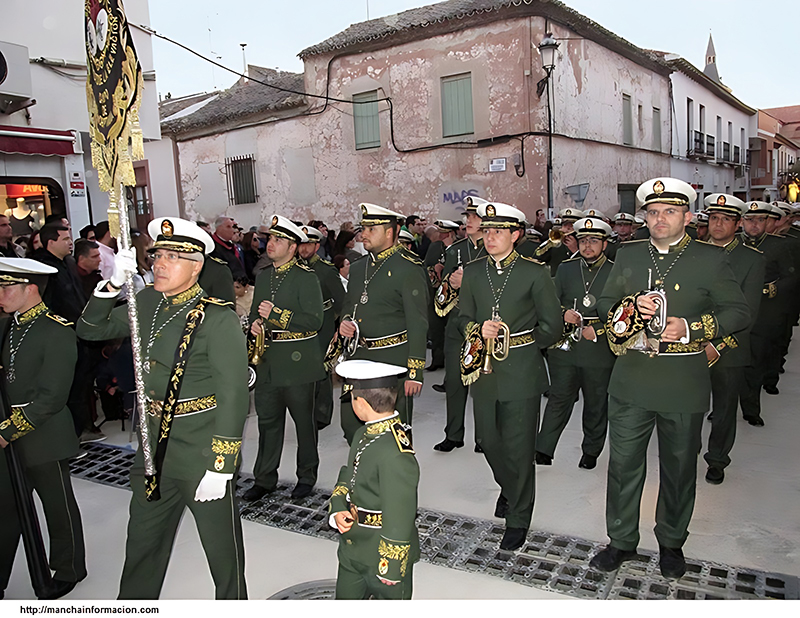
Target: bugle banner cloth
114, 93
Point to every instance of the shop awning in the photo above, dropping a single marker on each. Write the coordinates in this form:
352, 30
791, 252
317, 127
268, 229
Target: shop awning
30, 141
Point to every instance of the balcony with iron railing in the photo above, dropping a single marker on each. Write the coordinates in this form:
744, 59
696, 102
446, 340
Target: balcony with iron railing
737, 154
697, 148
710, 145
726, 152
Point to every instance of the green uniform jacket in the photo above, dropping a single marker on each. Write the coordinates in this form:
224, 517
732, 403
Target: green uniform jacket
435, 255
216, 279
43, 369
526, 247
748, 266
530, 308
700, 288
571, 290
332, 297
206, 431
779, 282
294, 355
396, 310
552, 256
459, 254
381, 481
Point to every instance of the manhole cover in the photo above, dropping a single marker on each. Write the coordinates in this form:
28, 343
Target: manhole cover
322, 589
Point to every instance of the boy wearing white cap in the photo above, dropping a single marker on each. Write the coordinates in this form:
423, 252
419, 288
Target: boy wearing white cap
374, 503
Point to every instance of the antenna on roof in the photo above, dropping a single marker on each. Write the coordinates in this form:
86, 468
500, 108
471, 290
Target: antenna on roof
367, 10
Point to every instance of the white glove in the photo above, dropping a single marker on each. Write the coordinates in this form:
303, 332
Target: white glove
212, 486
124, 265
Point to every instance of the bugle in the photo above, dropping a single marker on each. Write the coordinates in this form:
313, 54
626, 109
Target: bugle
256, 346
496, 347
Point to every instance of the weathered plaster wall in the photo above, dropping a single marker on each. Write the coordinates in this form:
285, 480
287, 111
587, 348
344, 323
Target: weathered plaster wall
309, 168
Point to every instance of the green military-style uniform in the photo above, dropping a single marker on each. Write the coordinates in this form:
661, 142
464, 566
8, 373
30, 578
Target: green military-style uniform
586, 366
207, 421
332, 303
39, 353
216, 279
387, 296
728, 372
378, 487
507, 400
436, 324
768, 329
670, 390
458, 255
291, 366
552, 255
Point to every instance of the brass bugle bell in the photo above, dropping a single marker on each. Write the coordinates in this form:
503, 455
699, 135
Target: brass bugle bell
496, 348
259, 343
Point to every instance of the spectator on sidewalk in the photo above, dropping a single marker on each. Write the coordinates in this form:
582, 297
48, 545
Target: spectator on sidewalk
225, 249
87, 261
107, 245
7, 246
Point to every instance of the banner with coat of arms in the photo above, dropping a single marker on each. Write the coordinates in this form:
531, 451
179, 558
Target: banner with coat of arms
114, 92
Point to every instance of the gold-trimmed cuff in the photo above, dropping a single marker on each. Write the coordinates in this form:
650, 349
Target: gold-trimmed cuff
392, 550
413, 365
280, 317
226, 453
18, 425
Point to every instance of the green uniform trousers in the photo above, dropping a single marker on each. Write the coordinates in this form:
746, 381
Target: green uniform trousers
271, 404
436, 328
761, 349
455, 391
350, 423
679, 440
323, 402
51, 482
565, 381
725, 384
151, 533
357, 581
506, 430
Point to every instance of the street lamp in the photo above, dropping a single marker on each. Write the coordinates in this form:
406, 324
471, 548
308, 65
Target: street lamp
547, 52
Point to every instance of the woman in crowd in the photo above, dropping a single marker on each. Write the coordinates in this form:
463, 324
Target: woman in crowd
252, 252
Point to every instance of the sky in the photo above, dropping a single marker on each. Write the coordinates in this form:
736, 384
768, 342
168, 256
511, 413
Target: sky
754, 51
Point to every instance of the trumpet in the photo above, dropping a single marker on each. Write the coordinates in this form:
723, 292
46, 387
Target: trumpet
498, 347
554, 239
574, 334
256, 346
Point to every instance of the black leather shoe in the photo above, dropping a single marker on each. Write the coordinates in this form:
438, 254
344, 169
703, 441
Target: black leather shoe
501, 508
715, 475
447, 445
301, 490
771, 390
478, 448
513, 538
60, 589
672, 562
543, 460
755, 421
434, 367
439, 388
256, 492
610, 559
588, 462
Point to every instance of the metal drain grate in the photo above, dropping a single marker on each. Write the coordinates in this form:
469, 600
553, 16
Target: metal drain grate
548, 561
309, 591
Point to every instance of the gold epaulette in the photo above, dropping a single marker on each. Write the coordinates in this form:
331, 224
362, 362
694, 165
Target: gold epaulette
414, 259
402, 435
217, 301
304, 267
744, 244
59, 319
218, 260
530, 259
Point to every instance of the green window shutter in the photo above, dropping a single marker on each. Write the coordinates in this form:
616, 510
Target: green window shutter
656, 129
627, 121
365, 120
457, 105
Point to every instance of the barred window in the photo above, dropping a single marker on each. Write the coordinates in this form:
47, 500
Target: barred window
241, 174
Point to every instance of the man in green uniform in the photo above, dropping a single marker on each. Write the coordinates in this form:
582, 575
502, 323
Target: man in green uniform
332, 301
669, 386
552, 252
39, 355
458, 255
582, 360
518, 291
776, 302
434, 265
730, 355
622, 232
216, 279
195, 380
287, 303
374, 503
388, 293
